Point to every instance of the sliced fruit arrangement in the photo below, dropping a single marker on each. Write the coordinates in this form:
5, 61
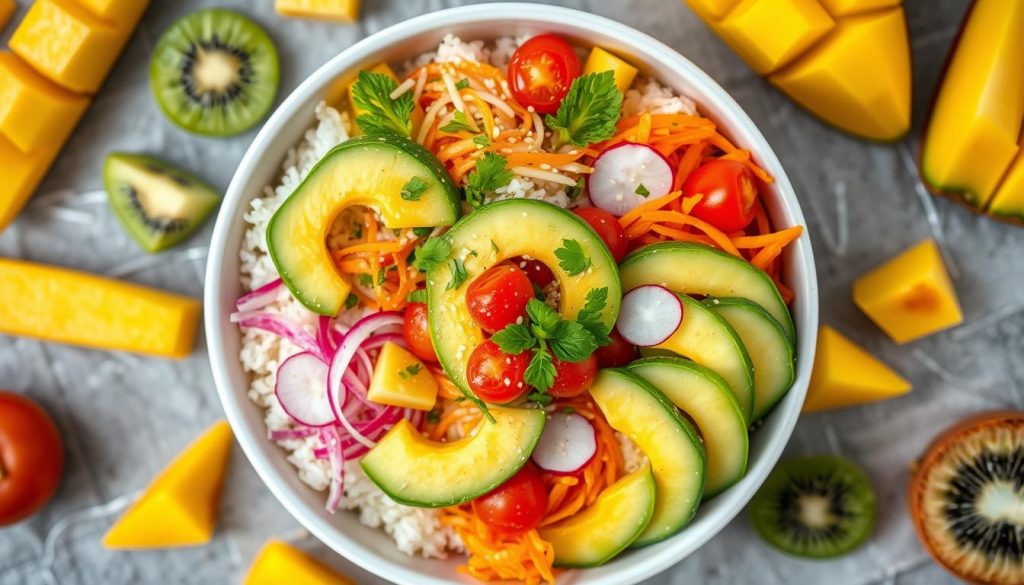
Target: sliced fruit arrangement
279, 562
966, 498
846, 375
847, 62
971, 146
819, 507
31, 458
340, 10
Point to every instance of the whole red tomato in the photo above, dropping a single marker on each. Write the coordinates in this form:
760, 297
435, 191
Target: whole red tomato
541, 71
496, 376
573, 378
617, 353
517, 505
416, 330
31, 458
497, 298
728, 191
608, 228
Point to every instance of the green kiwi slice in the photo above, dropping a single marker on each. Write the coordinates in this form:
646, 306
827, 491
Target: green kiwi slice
819, 507
214, 72
158, 204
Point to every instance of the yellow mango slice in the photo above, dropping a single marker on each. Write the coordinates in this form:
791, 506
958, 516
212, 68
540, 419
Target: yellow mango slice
180, 507
768, 34
1008, 202
845, 375
400, 379
279, 563
911, 295
125, 13
65, 306
600, 60
35, 113
976, 120
68, 45
341, 10
857, 78
20, 174
838, 8
7, 8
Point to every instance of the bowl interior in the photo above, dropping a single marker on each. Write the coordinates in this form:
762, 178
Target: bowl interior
371, 548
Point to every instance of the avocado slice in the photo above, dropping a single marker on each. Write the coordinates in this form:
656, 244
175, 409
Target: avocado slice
640, 411
500, 230
415, 471
372, 171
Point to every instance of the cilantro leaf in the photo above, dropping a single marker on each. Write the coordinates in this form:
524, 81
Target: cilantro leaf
462, 83
413, 189
419, 232
514, 339
590, 316
459, 274
642, 191
418, 296
572, 258
382, 276
540, 398
410, 372
491, 172
431, 254
545, 319
482, 140
574, 192
574, 344
589, 111
382, 115
351, 300
365, 280
541, 372
458, 123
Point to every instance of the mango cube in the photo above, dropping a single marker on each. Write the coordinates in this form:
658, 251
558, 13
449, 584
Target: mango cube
768, 34
839, 8
125, 13
180, 507
20, 174
845, 375
7, 8
281, 563
341, 10
400, 379
34, 113
910, 296
600, 60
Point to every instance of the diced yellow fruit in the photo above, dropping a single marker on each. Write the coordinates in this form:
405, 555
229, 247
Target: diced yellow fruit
34, 113
846, 375
712, 9
20, 174
976, 121
601, 60
125, 13
343, 10
1008, 202
399, 379
768, 34
67, 44
280, 563
857, 78
65, 306
839, 8
910, 296
7, 8
180, 507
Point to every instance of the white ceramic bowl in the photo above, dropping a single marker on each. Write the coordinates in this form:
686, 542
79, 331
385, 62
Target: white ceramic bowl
370, 548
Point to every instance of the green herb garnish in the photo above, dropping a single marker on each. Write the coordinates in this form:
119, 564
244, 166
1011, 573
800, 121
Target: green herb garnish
575, 191
382, 115
642, 191
351, 300
413, 189
482, 140
589, 111
418, 296
410, 372
462, 83
494, 247
458, 123
431, 254
572, 258
490, 174
365, 280
420, 232
540, 398
459, 274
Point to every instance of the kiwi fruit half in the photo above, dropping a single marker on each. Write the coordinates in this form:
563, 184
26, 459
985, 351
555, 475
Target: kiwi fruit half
967, 499
821, 506
214, 72
158, 204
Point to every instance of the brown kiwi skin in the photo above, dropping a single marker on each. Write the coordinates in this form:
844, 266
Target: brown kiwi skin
935, 452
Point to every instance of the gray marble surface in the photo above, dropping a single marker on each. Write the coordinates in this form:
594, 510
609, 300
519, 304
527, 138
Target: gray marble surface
124, 416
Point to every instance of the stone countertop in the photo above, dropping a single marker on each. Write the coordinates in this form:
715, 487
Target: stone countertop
123, 417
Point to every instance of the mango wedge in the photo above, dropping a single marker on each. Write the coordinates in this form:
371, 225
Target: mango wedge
846, 375
339, 10
846, 61
280, 563
600, 60
20, 173
180, 507
125, 13
64, 306
35, 113
400, 379
7, 8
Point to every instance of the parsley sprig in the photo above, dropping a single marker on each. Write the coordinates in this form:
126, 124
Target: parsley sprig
382, 115
572, 257
413, 189
491, 173
431, 253
589, 111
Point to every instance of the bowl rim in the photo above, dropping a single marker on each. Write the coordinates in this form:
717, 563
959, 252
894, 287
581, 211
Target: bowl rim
239, 192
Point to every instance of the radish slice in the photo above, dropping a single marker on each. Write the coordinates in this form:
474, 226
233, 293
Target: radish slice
649, 315
567, 444
301, 389
627, 175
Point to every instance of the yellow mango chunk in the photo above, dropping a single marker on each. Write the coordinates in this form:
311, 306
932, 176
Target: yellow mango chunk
1008, 202
712, 9
839, 8
844, 375
279, 563
34, 113
600, 60
67, 44
857, 78
400, 379
20, 174
976, 120
768, 34
180, 507
125, 13
910, 296
65, 306
7, 8
341, 10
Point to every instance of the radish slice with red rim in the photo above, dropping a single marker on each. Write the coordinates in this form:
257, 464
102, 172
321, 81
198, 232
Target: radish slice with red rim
301, 388
567, 444
649, 315
626, 175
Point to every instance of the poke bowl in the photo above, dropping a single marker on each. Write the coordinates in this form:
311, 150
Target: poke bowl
511, 292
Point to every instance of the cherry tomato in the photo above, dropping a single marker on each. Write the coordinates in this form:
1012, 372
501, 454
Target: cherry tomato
496, 376
498, 297
729, 194
608, 228
31, 458
517, 505
541, 71
617, 353
573, 378
538, 272
416, 331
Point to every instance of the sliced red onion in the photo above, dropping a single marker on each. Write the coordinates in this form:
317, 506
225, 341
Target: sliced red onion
259, 297
649, 315
321, 453
325, 335
626, 175
332, 442
381, 338
301, 388
567, 444
282, 327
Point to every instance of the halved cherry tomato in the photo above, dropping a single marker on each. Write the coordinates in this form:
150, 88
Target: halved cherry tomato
617, 353
517, 505
573, 378
416, 331
729, 194
496, 376
31, 458
537, 271
541, 71
498, 297
608, 228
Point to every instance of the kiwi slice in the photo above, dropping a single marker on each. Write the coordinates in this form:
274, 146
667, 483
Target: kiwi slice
214, 72
819, 507
967, 499
158, 204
